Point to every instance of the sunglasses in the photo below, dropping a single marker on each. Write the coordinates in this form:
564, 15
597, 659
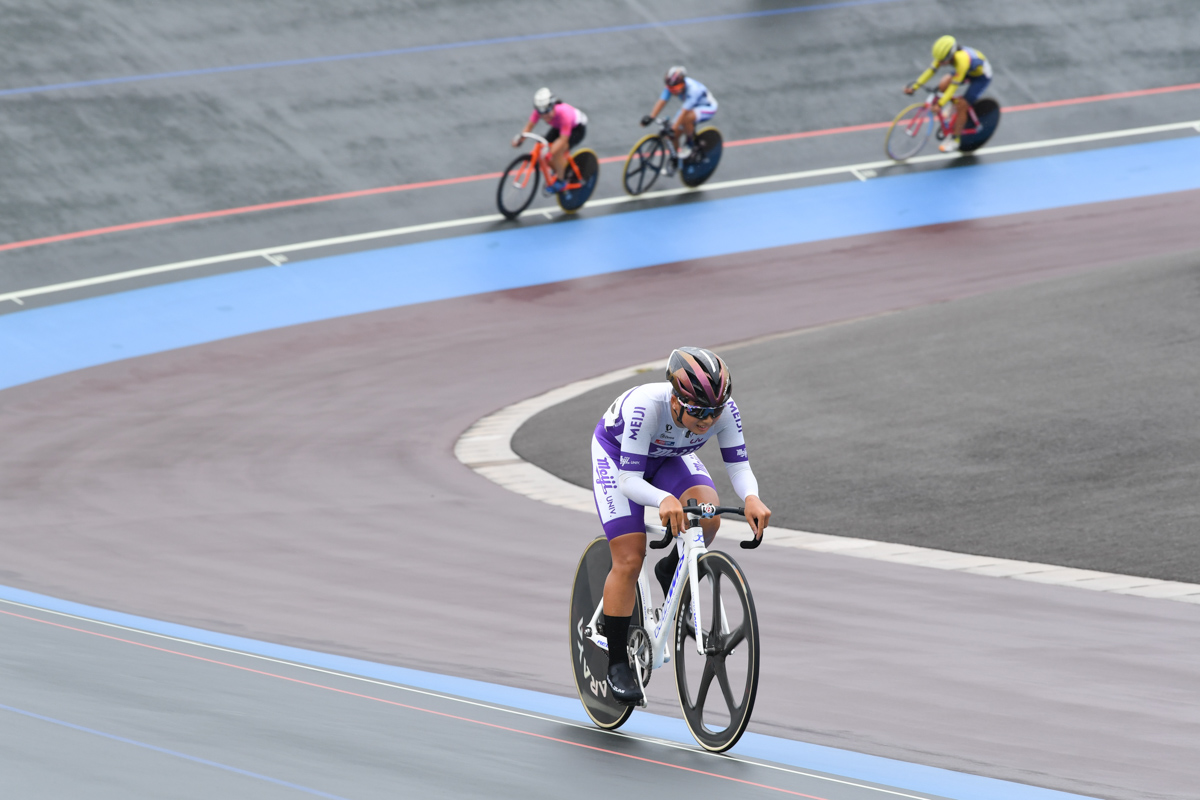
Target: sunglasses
703, 412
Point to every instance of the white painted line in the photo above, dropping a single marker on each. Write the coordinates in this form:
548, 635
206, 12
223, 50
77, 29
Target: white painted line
858, 170
486, 447
264, 252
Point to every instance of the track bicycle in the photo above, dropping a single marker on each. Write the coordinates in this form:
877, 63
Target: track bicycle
913, 126
656, 154
519, 183
715, 641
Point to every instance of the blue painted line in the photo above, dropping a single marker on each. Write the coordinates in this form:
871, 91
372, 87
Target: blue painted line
175, 753
811, 757
38, 343
430, 48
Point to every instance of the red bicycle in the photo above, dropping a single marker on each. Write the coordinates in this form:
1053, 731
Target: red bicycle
519, 184
913, 126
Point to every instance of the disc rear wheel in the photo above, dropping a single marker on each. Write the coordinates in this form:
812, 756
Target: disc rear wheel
987, 111
717, 689
589, 662
588, 165
700, 166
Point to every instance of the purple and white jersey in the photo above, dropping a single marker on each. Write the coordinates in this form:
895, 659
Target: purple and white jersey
653, 457
639, 423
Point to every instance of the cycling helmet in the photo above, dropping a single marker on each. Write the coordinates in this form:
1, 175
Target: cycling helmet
544, 100
699, 377
675, 76
943, 47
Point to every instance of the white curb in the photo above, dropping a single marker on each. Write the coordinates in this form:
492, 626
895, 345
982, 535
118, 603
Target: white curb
486, 448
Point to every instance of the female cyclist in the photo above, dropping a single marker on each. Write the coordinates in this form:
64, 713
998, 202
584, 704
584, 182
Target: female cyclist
643, 454
568, 126
699, 105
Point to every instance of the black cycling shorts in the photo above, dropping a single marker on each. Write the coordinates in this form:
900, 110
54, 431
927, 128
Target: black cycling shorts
577, 134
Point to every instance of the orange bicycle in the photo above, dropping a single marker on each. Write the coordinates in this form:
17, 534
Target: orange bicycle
519, 184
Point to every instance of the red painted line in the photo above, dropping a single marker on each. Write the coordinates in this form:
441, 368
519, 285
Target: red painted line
416, 708
228, 212
1099, 98
304, 201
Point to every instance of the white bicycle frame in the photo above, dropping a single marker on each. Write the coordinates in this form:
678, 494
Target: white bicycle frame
657, 620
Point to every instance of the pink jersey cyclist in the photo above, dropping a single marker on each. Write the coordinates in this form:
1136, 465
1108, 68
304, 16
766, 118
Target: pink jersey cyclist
568, 126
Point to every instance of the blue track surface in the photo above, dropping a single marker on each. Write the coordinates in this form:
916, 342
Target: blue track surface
48, 341
872, 769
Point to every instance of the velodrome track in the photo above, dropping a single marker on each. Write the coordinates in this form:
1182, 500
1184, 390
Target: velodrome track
297, 486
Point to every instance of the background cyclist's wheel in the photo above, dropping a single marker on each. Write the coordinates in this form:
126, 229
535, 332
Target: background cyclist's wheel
717, 691
703, 163
589, 663
644, 163
988, 112
909, 132
589, 170
518, 187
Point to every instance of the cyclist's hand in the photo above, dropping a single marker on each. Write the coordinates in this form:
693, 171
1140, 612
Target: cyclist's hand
757, 514
516, 142
646, 120
670, 513
909, 89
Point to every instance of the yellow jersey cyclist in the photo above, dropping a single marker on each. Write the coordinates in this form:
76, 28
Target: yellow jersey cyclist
568, 126
972, 74
699, 105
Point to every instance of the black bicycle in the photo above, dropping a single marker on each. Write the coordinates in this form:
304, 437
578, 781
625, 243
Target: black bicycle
655, 154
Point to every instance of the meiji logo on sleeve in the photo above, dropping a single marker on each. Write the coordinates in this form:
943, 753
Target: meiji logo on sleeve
635, 423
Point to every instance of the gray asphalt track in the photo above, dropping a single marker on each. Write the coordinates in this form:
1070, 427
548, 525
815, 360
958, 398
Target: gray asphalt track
298, 486
98, 156
150, 717
1052, 423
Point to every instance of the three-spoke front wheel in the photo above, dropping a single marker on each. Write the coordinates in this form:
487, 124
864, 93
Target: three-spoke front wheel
644, 163
518, 186
717, 689
909, 132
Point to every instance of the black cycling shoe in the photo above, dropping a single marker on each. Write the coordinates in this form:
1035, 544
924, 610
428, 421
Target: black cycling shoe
664, 570
623, 684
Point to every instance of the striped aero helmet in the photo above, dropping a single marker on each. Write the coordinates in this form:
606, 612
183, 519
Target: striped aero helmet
699, 377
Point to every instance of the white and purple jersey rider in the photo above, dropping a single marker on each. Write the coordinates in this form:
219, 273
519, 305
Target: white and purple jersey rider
644, 454
699, 106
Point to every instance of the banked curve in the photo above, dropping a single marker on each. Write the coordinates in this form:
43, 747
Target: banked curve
486, 447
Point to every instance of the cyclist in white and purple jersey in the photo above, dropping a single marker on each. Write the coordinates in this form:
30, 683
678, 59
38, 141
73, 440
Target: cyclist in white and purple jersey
699, 105
568, 126
644, 454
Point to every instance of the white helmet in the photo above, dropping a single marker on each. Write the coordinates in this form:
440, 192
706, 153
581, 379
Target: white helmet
544, 100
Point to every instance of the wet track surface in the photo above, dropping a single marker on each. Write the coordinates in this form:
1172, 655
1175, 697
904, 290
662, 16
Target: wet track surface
298, 485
